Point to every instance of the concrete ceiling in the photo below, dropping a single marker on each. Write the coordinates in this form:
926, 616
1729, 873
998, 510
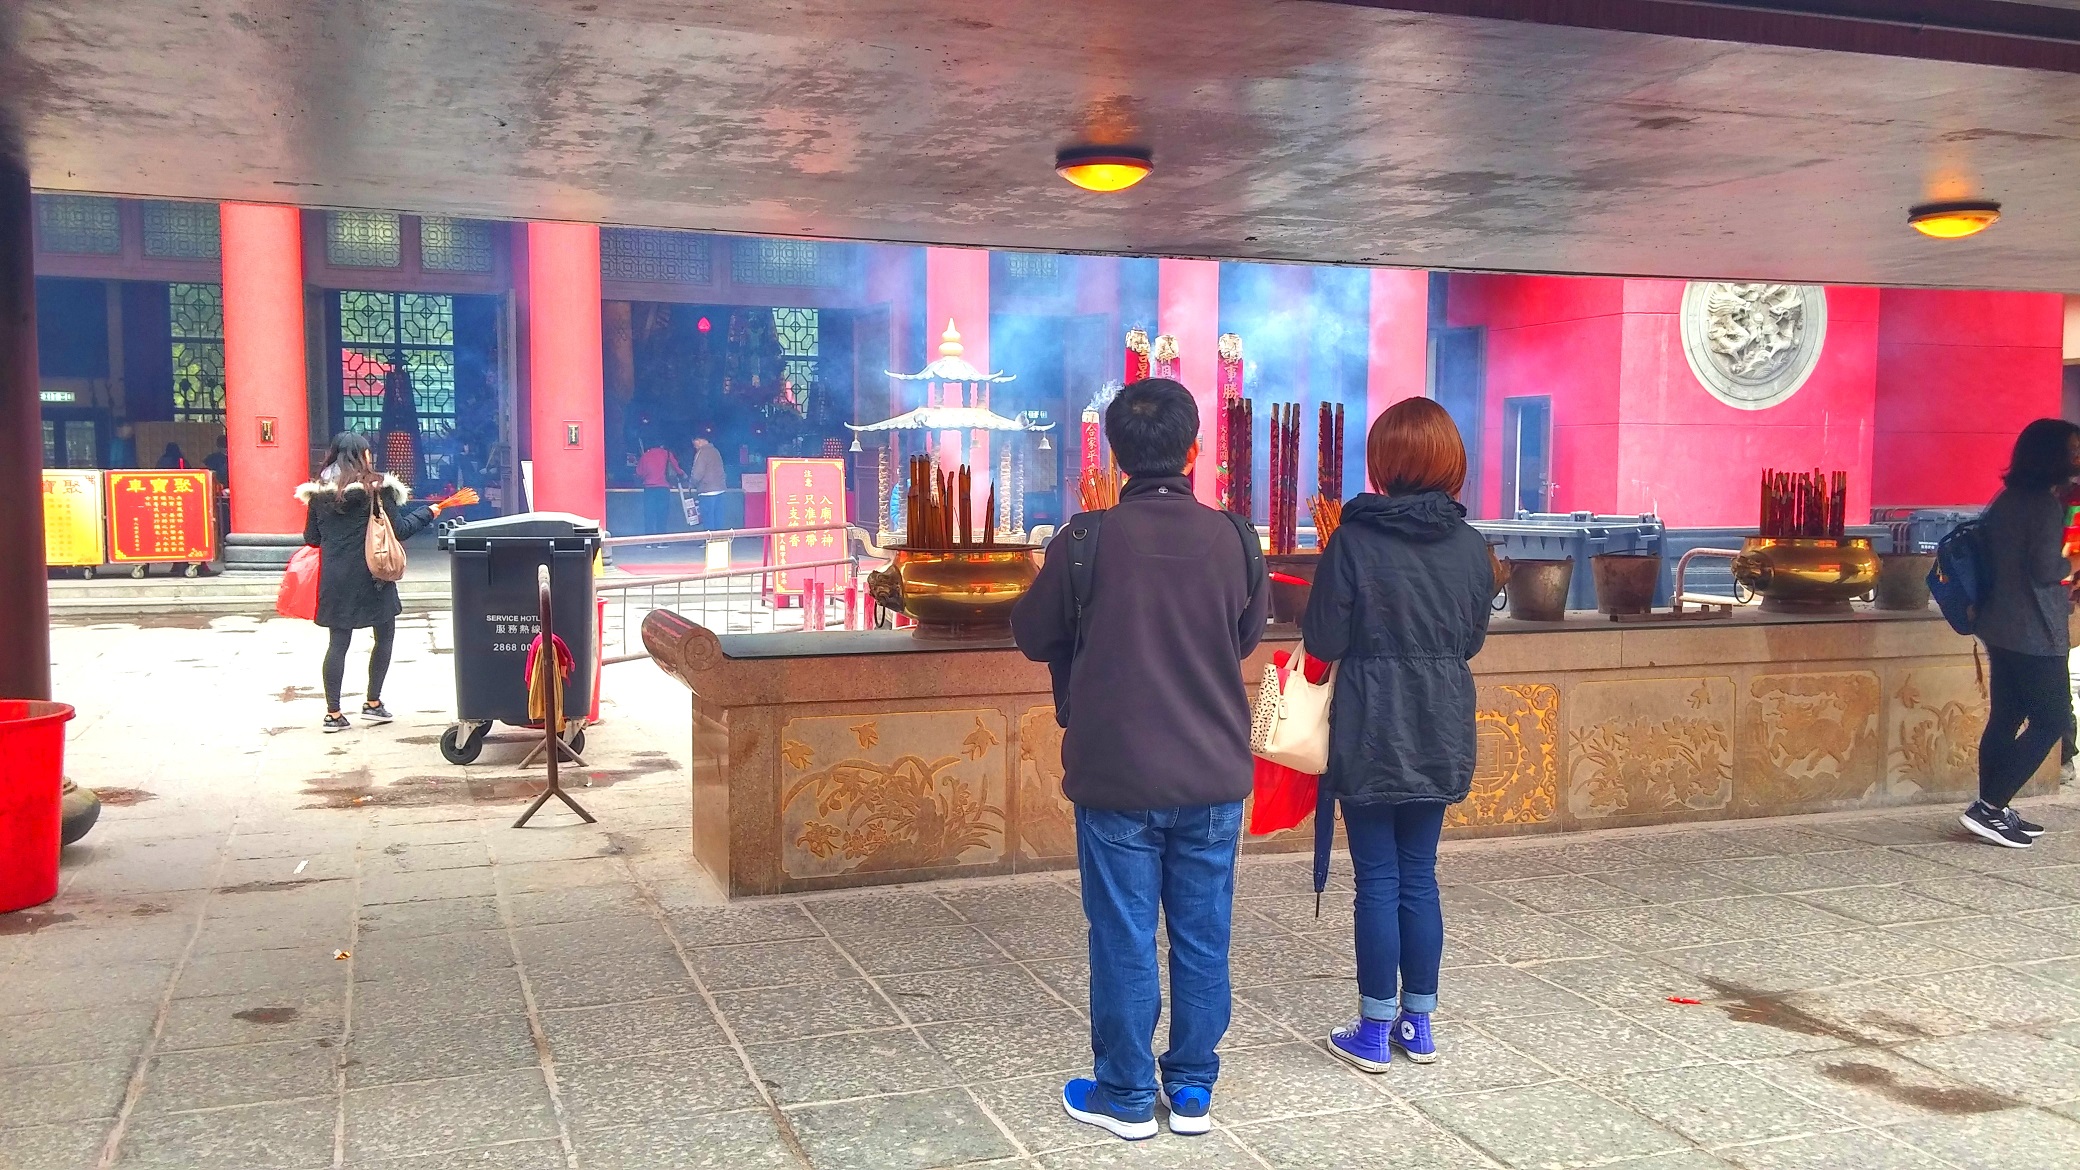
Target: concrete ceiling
1291, 130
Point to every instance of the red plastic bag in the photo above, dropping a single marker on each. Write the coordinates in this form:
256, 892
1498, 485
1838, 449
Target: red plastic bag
299, 594
1283, 797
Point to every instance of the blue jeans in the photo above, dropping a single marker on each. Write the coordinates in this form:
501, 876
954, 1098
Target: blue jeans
1183, 860
1400, 927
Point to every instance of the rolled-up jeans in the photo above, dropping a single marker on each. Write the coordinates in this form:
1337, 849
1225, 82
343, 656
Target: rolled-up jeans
1400, 923
1183, 861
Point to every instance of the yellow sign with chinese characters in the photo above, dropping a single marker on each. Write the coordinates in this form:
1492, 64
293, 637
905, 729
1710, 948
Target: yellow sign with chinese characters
72, 519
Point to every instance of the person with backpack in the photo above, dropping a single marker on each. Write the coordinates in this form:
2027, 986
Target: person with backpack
2020, 609
340, 508
1401, 602
1144, 613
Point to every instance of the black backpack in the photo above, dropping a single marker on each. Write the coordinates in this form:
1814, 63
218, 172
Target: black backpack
1082, 551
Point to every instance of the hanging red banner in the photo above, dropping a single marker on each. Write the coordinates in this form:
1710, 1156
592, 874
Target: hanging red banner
161, 517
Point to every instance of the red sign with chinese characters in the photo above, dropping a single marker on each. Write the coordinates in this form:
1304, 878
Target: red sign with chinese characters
805, 493
161, 517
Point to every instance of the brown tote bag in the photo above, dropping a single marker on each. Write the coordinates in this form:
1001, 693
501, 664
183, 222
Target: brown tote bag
385, 552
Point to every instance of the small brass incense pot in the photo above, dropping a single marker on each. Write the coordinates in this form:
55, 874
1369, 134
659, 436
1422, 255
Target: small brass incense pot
1795, 574
959, 593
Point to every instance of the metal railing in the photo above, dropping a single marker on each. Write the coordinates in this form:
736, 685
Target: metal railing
730, 599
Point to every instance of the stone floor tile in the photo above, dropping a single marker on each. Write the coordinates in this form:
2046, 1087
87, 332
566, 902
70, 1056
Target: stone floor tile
1869, 1014
654, 1087
706, 926
1593, 1043
446, 916
1312, 1008
786, 1013
2028, 1068
1678, 881
100, 945
455, 1046
402, 858
1784, 874
1594, 855
54, 1146
1261, 961
43, 992
977, 993
1000, 902
1751, 1028
1215, 1152
2006, 938
285, 1135
1553, 1125
1296, 913
1885, 866
911, 949
388, 1121
1645, 927
1257, 877
747, 1140
1068, 978
436, 885
611, 979
1716, 1104
1903, 830
1760, 965
538, 1154
260, 973
1985, 894
2017, 1139
1683, 847
2065, 972
631, 1029
1031, 1108
578, 904
1014, 1046
246, 1074
378, 957
1880, 905
262, 873
1371, 1138
1460, 902
118, 1030
1042, 938
882, 912
1768, 840
1768, 916
404, 1002
535, 877
1875, 952
859, 1064
1471, 864
1468, 1061
782, 964
325, 928
2063, 880
912, 1132
1997, 996
1680, 1160
65, 1092
1874, 1087
1620, 981
1864, 1149
1523, 938
1568, 893
1486, 993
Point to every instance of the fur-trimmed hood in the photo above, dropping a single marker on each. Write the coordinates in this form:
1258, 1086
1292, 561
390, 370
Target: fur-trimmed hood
393, 487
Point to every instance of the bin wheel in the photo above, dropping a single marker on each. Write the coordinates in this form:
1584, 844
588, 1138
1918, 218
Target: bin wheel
137, 572
86, 574
576, 740
192, 571
457, 750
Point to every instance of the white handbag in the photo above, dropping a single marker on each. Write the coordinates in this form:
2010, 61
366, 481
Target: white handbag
1290, 725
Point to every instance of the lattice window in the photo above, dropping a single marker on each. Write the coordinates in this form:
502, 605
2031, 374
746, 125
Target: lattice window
655, 256
196, 335
364, 239
1034, 266
454, 245
79, 225
182, 231
376, 330
788, 263
796, 330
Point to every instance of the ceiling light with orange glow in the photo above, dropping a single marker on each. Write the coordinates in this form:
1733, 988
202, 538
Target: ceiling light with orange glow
1955, 220
1104, 168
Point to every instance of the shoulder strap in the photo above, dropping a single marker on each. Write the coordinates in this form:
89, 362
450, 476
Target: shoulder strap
1083, 563
1252, 551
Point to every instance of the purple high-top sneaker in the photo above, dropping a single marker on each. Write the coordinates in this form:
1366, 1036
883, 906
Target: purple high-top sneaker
1368, 1044
1412, 1036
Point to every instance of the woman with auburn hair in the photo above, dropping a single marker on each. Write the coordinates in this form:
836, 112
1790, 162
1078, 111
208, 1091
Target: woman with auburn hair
1401, 602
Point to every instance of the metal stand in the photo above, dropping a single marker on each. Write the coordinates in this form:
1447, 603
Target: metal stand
553, 748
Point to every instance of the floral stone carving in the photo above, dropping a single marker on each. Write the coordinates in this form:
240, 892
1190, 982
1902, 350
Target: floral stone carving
1809, 739
901, 791
1647, 747
1516, 775
1938, 716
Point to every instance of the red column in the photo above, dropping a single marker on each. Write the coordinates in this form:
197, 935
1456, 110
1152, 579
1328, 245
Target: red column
25, 619
266, 402
566, 369
1398, 361
956, 288
1188, 307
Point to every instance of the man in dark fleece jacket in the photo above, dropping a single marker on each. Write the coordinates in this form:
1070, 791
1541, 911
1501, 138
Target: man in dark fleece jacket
1155, 758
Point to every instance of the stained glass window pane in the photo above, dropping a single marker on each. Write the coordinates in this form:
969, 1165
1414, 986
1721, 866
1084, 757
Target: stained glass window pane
788, 263
181, 231
196, 337
454, 245
363, 239
79, 225
655, 256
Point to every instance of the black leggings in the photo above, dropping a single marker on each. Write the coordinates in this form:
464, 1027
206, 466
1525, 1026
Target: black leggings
378, 663
2026, 688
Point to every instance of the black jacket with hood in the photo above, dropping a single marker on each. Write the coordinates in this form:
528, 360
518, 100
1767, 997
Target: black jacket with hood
1401, 600
336, 524
1158, 716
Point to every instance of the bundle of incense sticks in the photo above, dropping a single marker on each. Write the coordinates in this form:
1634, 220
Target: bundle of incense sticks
1809, 505
1285, 478
1100, 489
1329, 453
1328, 513
1241, 456
941, 509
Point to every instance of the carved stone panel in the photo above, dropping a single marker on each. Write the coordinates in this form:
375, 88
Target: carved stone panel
1046, 827
899, 791
1649, 747
1809, 740
1753, 345
1936, 716
1516, 776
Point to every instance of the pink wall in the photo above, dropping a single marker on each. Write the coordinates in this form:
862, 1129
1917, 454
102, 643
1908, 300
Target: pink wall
1188, 296
1959, 374
1397, 364
566, 369
264, 371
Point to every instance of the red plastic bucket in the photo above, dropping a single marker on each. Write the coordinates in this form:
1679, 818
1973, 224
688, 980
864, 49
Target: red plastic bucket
32, 771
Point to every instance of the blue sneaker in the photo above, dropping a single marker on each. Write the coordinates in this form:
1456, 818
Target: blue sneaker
1191, 1110
1367, 1044
1083, 1101
1412, 1036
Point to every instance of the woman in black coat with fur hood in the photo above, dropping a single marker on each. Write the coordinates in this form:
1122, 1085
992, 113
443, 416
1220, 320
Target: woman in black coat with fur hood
338, 509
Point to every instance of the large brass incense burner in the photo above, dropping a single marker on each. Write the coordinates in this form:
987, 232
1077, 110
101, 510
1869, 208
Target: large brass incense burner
1807, 574
956, 594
